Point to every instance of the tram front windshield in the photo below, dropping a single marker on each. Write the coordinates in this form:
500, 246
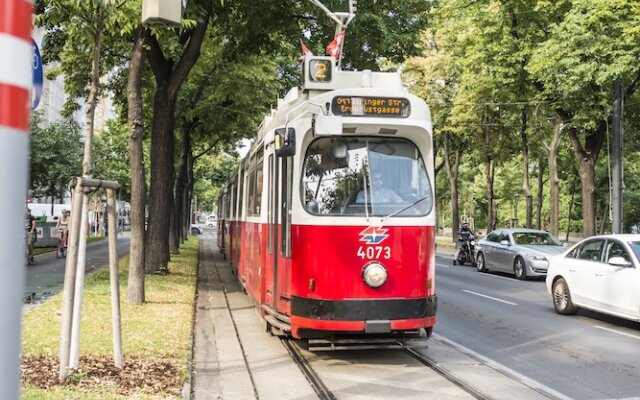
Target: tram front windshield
365, 176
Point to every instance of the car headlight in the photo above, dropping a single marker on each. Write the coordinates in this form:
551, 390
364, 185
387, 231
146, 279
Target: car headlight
537, 258
374, 275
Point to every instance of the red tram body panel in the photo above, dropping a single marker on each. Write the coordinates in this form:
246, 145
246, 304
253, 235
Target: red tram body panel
329, 221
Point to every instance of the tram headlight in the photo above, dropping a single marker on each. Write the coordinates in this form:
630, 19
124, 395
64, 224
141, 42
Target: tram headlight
374, 275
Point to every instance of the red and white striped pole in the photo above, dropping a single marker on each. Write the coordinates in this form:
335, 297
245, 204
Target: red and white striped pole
16, 77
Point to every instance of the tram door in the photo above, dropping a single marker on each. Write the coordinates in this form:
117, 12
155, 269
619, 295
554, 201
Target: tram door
278, 234
271, 259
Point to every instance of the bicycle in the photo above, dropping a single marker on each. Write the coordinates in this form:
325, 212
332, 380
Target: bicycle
61, 249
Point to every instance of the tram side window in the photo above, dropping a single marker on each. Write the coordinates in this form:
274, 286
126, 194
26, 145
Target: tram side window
241, 201
346, 176
255, 191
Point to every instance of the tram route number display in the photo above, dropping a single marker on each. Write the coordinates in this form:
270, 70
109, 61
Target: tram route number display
355, 106
374, 252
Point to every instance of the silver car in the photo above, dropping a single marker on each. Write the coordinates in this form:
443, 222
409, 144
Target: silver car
519, 251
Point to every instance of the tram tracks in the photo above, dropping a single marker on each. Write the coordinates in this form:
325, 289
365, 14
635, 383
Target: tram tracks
444, 373
325, 393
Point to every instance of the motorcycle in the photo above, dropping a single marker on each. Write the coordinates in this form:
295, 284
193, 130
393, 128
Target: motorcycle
467, 253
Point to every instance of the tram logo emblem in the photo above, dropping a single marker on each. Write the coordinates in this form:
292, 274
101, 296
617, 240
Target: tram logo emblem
373, 235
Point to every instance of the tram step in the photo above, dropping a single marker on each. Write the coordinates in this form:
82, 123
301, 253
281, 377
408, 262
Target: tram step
273, 321
415, 342
274, 313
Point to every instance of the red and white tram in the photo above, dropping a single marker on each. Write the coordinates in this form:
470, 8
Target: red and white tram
329, 222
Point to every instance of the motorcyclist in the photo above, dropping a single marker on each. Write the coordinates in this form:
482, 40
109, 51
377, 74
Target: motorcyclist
464, 236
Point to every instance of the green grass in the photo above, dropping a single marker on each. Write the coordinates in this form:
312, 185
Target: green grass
157, 331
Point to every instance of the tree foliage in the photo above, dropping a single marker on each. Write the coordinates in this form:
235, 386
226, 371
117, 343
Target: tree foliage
506, 68
55, 156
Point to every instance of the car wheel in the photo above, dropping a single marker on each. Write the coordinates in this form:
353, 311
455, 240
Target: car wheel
519, 268
480, 264
562, 298
194, 231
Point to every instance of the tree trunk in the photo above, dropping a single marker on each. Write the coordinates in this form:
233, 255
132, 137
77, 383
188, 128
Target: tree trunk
569, 216
605, 215
170, 76
490, 171
587, 177
525, 167
540, 195
188, 194
161, 190
554, 187
135, 290
92, 99
587, 156
181, 185
452, 175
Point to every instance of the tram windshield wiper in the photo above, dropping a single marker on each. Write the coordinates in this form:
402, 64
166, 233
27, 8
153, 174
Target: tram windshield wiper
405, 208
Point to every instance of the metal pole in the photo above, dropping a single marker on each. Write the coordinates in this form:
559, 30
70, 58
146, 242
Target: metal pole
15, 97
115, 284
616, 198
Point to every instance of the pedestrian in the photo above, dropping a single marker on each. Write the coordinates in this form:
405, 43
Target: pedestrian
30, 226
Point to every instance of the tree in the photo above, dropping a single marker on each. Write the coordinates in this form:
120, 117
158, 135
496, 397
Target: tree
111, 155
55, 156
169, 74
589, 45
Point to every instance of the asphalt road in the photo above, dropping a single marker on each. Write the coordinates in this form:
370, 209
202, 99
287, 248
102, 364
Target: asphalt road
46, 276
586, 356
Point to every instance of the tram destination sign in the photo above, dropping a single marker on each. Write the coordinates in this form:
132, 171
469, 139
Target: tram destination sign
364, 106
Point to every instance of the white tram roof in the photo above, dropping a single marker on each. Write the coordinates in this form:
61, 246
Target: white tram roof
343, 83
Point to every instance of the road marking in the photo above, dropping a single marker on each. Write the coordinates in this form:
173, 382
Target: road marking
533, 384
499, 277
442, 265
618, 332
492, 298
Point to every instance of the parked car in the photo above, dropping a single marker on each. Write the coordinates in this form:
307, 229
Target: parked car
196, 229
519, 251
212, 221
600, 273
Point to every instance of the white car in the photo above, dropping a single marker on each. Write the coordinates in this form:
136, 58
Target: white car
601, 273
196, 229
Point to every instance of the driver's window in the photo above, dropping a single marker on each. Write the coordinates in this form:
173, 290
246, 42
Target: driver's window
590, 250
505, 236
365, 176
494, 237
615, 249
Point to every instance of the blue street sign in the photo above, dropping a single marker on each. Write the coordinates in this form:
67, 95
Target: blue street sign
38, 76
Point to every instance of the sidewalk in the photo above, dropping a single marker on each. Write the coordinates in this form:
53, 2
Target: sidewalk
235, 358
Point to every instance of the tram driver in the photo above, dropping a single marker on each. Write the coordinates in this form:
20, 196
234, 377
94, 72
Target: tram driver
378, 193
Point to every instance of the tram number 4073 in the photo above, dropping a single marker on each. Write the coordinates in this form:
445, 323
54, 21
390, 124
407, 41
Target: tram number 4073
371, 252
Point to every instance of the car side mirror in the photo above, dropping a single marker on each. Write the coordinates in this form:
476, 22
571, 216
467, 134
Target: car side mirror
619, 262
505, 242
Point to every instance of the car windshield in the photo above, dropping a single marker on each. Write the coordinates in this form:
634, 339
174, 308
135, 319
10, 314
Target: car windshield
536, 238
635, 246
365, 176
